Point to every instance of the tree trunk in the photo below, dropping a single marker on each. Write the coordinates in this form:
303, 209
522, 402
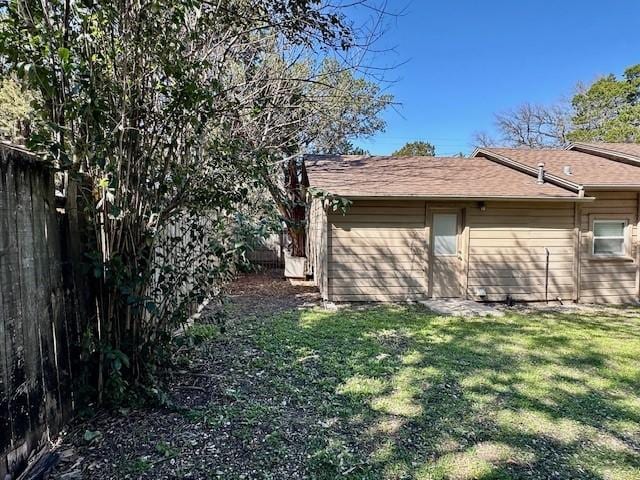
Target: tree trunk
297, 236
297, 209
290, 199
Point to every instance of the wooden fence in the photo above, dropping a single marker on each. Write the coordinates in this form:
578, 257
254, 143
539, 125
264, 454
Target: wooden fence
39, 310
269, 252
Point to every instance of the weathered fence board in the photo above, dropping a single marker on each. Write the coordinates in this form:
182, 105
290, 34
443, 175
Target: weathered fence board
269, 252
38, 301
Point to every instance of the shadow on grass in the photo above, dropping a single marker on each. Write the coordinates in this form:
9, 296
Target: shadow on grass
391, 392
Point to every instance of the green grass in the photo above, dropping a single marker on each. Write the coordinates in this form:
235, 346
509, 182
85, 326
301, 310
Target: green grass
394, 393
201, 332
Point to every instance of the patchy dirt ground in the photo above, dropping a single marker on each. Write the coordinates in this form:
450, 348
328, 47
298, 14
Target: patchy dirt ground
199, 438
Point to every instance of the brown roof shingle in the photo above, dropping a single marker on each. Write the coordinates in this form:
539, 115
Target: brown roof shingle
586, 169
362, 176
632, 149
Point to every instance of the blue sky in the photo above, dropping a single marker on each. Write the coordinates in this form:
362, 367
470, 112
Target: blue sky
467, 59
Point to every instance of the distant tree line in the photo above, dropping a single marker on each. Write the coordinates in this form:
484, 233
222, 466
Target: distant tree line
418, 148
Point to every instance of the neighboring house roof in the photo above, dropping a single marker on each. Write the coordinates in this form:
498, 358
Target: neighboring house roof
425, 177
569, 166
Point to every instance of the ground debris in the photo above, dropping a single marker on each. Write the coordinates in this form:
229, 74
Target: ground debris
203, 435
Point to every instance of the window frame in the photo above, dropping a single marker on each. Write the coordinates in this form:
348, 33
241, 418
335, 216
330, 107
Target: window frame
625, 250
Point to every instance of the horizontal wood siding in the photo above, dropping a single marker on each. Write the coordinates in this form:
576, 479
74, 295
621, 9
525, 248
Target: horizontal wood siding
507, 245
377, 252
608, 281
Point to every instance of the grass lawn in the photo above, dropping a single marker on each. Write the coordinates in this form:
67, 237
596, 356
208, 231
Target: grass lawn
392, 393
381, 393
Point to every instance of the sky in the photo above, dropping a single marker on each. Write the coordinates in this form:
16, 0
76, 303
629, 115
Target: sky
458, 62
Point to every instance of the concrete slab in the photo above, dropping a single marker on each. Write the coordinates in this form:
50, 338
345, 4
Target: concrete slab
300, 282
461, 308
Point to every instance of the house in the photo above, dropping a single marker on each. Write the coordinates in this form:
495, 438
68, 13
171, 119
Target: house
526, 225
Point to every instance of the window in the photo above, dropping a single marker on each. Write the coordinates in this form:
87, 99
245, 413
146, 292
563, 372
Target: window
608, 237
445, 229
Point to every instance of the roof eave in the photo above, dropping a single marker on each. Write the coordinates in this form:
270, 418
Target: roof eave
475, 198
616, 187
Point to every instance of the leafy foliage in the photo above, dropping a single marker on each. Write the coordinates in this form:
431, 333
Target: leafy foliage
344, 106
349, 148
16, 113
415, 149
331, 202
145, 105
609, 110
314, 106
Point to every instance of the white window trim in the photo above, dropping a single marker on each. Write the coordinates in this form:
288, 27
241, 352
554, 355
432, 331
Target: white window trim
623, 238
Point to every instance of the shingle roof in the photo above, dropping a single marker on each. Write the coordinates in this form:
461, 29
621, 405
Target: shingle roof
632, 149
586, 169
363, 176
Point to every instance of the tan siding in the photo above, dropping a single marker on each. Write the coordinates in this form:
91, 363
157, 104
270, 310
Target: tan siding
379, 261
399, 281
513, 241
351, 267
346, 274
339, 232
415, 221
377, 251
373, 297
380, 257
376, 242
523, 258
522, 250
557, 271
591, 269
507, 245
608, 281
